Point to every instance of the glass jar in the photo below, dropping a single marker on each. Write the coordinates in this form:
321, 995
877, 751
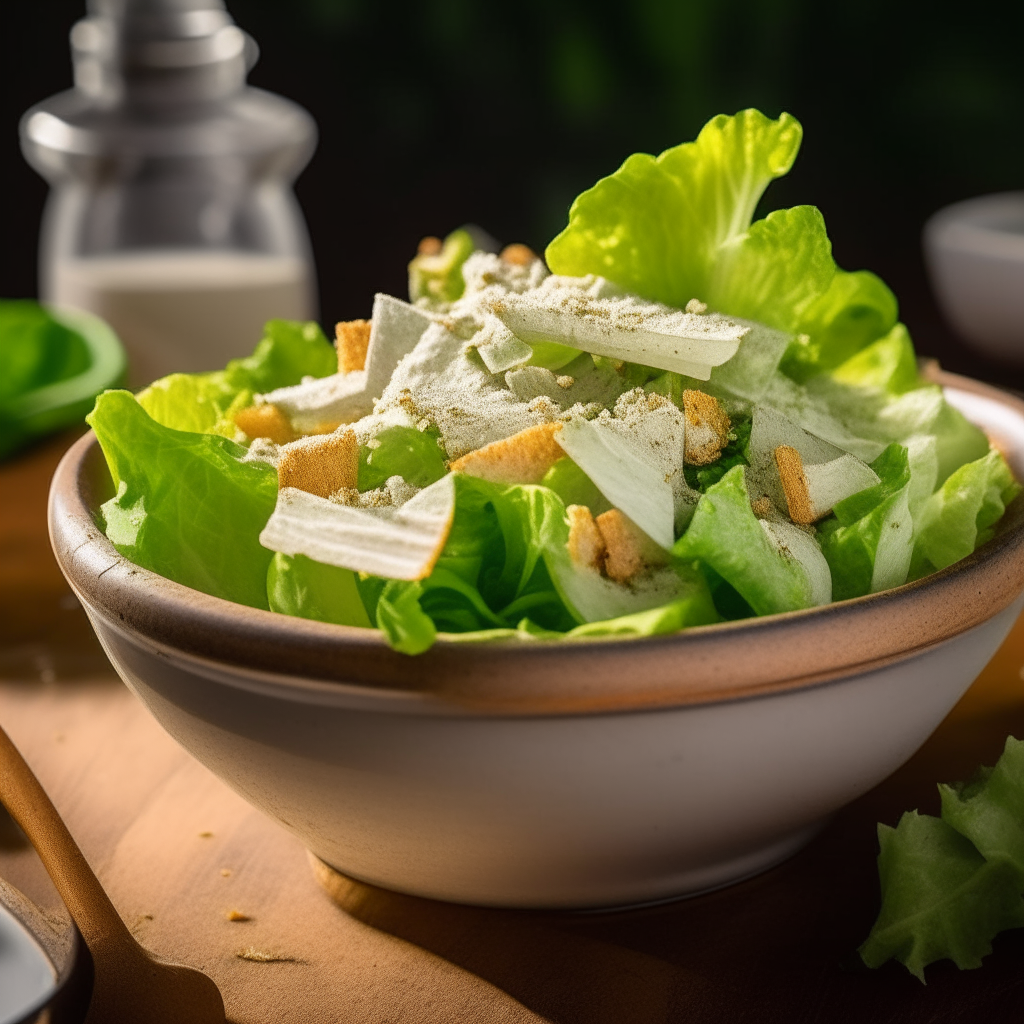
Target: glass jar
171, 213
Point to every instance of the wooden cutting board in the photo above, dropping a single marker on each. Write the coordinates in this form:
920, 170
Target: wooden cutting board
202, 878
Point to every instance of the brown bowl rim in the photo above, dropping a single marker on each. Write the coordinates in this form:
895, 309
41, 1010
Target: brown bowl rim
703, 664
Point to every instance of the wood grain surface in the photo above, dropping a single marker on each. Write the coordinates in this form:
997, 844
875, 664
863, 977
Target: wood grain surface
181, 855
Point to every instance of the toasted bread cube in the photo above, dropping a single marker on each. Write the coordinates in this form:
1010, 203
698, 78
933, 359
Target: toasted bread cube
351, 339
429, 246
629, 551
794, 484
518, 255
320, 464
523, 458
586, 545
707, 428
265, 421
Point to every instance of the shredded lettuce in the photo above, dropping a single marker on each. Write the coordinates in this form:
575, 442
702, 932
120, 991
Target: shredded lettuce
188, 506
206, 402
951, 884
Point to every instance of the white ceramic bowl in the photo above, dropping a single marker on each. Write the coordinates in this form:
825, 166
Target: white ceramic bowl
551, 774
975, 256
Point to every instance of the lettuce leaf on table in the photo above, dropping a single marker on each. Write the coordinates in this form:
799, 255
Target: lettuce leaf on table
951, 884
187, 506
207, 402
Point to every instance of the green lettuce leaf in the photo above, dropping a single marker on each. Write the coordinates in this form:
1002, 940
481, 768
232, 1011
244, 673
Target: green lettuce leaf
437, 278
867, 541
726, 535
574, 487
962, 513
187, 506
888, 364
940, 897
297, 585
415, 455
989, 810
207, 402
852, 312
678, 226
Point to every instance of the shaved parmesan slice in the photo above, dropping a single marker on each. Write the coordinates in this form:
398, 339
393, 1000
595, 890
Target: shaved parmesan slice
749, 372
396, 543
499, 348
792, 542
621, 326
341, 398
622, 471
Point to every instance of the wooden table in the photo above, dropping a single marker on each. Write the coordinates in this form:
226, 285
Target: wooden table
179, 853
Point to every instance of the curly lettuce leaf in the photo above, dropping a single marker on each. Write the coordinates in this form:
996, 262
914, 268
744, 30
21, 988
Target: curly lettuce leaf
187, 506
297, 585
415, 455
206, 402
940, 897
962, 513
989, 810
726, 535
855, 309
678, 226
869, 541
437, 277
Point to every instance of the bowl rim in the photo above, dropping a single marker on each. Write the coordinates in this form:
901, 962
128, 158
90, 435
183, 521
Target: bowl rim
704, 664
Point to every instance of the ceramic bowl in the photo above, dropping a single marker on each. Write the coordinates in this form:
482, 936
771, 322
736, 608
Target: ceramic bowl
551, 774
975, 256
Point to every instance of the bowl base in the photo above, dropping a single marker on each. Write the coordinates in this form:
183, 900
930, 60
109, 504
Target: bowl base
347, 891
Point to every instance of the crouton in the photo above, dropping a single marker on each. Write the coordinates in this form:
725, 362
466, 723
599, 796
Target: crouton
429, 246
696, 307
586, 545
518, 255
707, 428
321, 464
265, 421
351, 339
523, 458
629, 551
794, 484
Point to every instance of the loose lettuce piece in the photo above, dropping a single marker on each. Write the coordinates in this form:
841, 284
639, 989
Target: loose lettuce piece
678, 226
407, 627
438, 278
940, 897
187, 506
726, 535
695, 609
856, 309
299, 586
868, 541
414, 455
962, 513
989, 810
888, 365
206, 402
574, 487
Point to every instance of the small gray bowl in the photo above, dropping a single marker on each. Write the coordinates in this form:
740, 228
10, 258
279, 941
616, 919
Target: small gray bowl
551, 774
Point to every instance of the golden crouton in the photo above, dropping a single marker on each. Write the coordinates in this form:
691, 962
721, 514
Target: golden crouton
429, 246
630, 551
794, 483
265, 421
351, 339
518, 255
321, 464
586, 545
707, 428
523, 458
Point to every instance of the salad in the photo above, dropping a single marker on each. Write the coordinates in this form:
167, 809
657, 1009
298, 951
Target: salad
681, 415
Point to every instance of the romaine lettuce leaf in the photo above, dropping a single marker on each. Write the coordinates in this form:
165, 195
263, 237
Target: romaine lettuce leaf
888, 364
574, 487
989, 810
187, 506
869, 541
207, 402
726, 535
437, 277
678, 226
940, 897
414, 455
297, 585
962, 513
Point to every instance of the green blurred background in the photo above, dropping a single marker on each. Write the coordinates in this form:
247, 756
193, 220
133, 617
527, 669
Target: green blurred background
440, 112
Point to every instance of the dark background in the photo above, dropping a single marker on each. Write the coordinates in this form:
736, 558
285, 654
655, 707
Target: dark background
438, 112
